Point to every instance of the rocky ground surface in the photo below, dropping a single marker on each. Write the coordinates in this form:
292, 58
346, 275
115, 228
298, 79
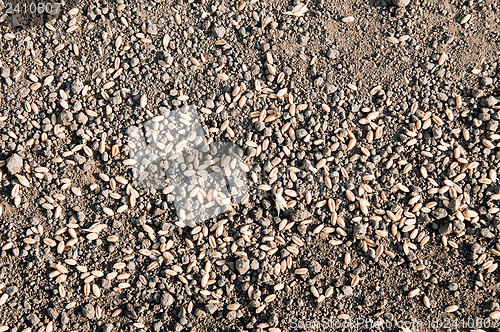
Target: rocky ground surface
371, 139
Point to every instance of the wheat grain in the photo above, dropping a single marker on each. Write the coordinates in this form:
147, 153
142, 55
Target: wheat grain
451, 308
414, 292
465, 19
495, 314
3, 298
301, 271
233, 306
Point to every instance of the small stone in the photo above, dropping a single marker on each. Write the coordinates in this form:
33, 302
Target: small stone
477, 248
288, 213
347, 290
439, 213
493, 125
318, 81
315, 267
33, 319
65, 117
211, 308
242, 265
130, 311
152, 29
209, 103
330, 88
301, 133
453, 205
14, 164
446, 228
491, 101
359, 230
333, 54
107, 327
401, 3
157, 326
220, 32
81, 118
64, 318
486, 81
485, 232
11, 290
166, 300
254, 265
442, 96
437, 132
88, 311
458, 226
52, 313
303, 39
77, 86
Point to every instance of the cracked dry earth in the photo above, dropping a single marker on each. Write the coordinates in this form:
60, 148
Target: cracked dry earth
370, 131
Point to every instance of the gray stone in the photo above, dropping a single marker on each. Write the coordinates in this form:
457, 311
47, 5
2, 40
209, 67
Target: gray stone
347, 290
33, 319
485, 232
14, 164
107, 327
220, 32
446, 228
401, 3
166, 300
315, 267
88, 311
65, 117
152, 29
242, 265
491, 101
487, 81
211, 308
439, 213
359, 230
77, 86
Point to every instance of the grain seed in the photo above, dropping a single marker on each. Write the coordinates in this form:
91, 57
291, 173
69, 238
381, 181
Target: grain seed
451, 308
233, 306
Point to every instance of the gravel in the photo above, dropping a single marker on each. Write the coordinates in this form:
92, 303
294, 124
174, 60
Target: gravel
248, 166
